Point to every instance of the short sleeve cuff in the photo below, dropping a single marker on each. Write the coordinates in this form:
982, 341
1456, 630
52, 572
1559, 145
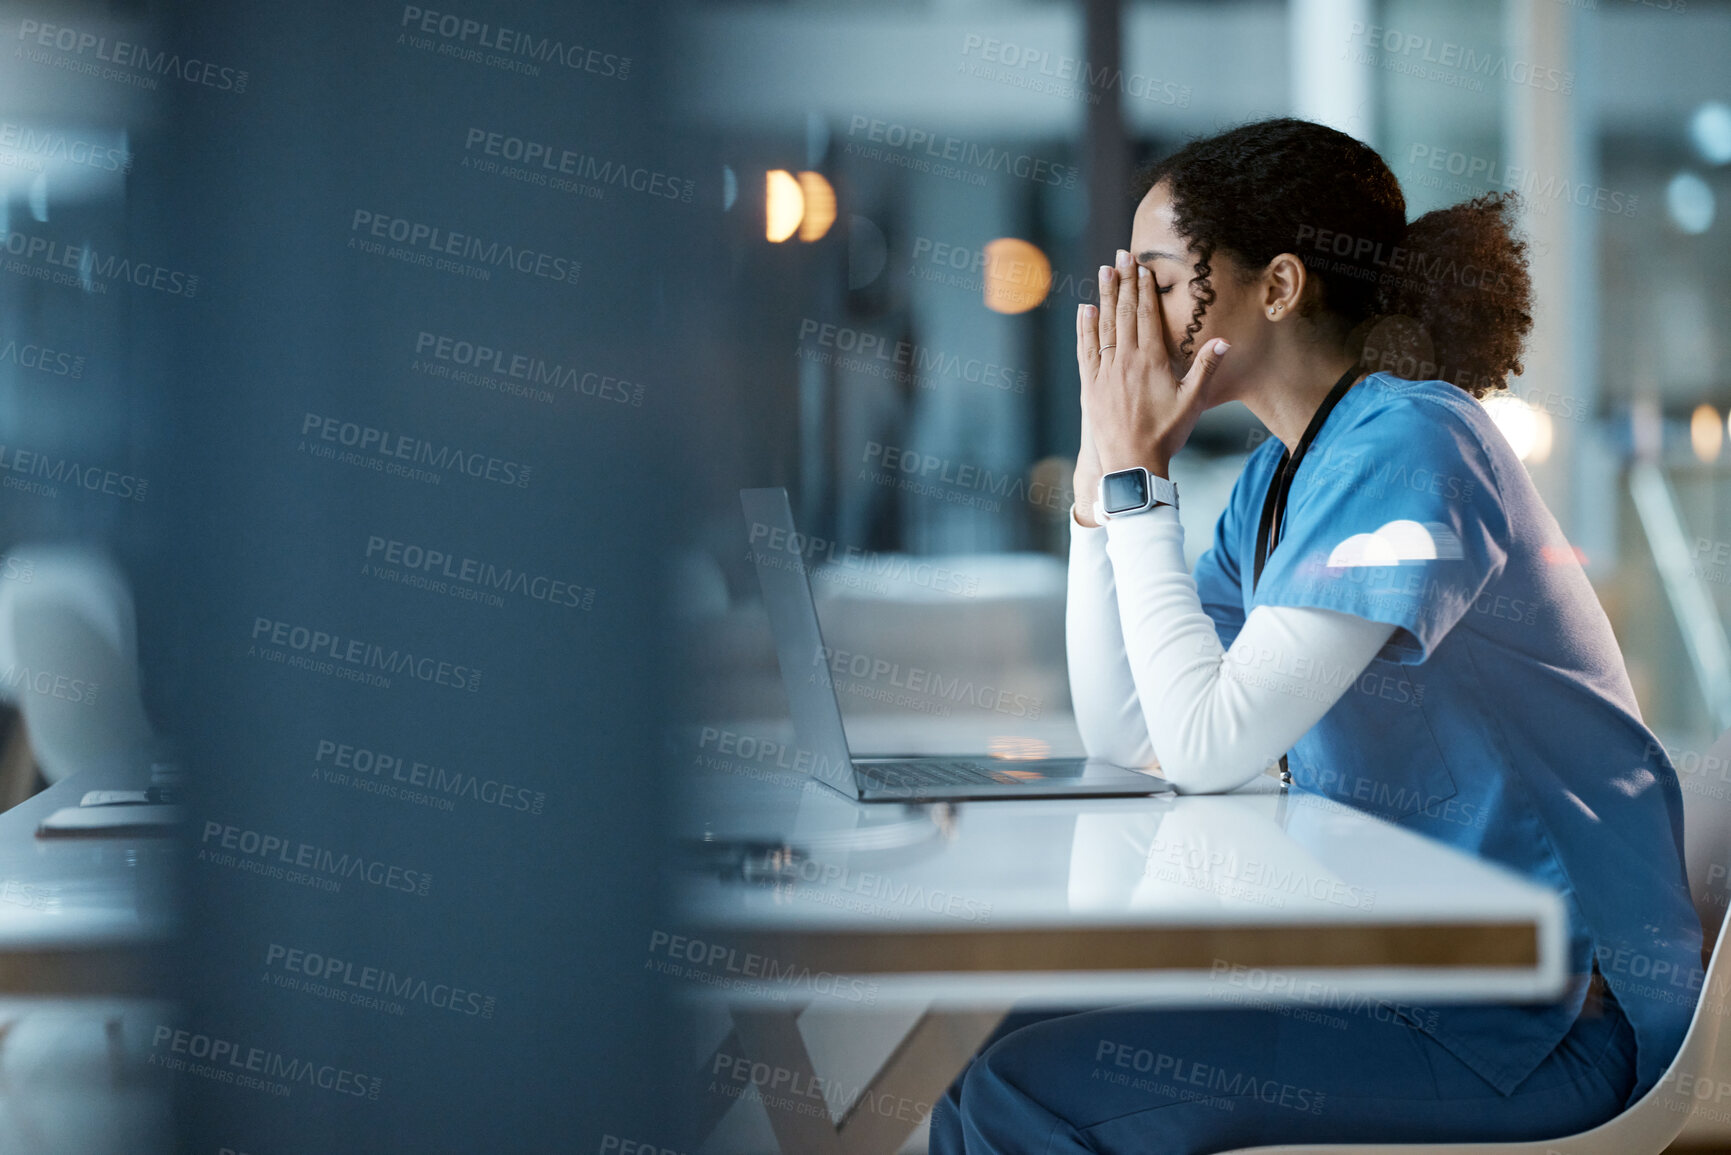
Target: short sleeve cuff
1419, 624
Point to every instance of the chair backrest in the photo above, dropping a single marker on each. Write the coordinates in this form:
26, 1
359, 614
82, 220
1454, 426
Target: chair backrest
1706, 782
1712, 1014
68, 658
1703, 1065
1660, 1115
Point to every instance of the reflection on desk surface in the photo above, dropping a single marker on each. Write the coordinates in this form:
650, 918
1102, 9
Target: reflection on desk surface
1258, 855
1081, 901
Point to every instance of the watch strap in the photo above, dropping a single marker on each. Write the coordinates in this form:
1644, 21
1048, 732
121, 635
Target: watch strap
1163, 490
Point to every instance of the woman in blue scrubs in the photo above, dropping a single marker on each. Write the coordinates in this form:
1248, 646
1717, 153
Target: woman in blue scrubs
1424, 644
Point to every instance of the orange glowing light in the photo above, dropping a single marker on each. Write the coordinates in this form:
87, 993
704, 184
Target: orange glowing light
1018, 275
1706, 435
783, 205
819, 206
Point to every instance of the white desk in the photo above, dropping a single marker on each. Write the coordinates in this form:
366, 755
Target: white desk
86, 915
86, 971
1260, 896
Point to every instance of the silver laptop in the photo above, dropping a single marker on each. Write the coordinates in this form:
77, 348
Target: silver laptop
817, 724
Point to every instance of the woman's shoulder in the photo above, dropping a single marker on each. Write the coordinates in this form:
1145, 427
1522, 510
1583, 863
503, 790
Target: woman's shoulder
1385, 392
1424, 417
1432, 428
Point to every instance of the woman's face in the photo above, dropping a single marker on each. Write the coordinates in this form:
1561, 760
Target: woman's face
1235, 313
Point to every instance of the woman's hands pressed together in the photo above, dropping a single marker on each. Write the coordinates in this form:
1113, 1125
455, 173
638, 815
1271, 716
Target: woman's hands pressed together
1135, 409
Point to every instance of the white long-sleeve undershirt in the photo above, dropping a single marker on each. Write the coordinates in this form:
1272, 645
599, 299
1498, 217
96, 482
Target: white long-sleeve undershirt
1151, 682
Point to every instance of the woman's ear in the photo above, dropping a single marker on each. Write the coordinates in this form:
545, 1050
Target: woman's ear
1284, 281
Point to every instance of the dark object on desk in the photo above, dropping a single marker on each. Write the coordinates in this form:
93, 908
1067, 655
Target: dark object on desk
19, 776
110, 821
742, 860
152, 795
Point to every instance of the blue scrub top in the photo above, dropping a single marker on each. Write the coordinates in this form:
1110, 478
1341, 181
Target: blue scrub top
1499, 718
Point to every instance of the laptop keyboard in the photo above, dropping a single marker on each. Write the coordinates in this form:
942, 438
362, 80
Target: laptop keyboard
932, 773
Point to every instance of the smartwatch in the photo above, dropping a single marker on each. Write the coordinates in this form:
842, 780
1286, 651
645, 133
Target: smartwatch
1131, 491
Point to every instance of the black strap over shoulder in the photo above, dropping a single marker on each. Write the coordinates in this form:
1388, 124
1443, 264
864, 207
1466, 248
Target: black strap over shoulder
1274, 504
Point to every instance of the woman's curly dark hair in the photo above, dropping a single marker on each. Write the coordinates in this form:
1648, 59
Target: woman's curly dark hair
1291, 186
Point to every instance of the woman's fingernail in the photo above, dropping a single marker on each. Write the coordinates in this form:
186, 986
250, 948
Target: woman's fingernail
1221, 347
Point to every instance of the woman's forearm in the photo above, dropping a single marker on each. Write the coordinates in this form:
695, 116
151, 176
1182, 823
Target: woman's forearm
1102, 691
1214, 718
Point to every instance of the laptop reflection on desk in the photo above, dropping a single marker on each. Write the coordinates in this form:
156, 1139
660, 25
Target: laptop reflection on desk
816, 710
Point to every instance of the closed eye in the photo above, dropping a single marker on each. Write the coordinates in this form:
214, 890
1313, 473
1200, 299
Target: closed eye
1162, 289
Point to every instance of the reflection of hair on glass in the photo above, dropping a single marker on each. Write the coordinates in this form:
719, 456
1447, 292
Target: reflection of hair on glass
1402, 347
1291, 186
1396, 344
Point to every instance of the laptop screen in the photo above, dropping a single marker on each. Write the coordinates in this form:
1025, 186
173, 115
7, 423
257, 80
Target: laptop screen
779, 554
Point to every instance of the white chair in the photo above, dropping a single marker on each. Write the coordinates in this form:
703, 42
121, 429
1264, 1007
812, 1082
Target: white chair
1647, 1128
68, 657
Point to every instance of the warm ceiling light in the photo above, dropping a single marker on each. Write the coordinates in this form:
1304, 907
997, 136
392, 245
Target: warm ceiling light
819, 206
1705, 433
783, 205
1528, 430
1018, 275
1543, 431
